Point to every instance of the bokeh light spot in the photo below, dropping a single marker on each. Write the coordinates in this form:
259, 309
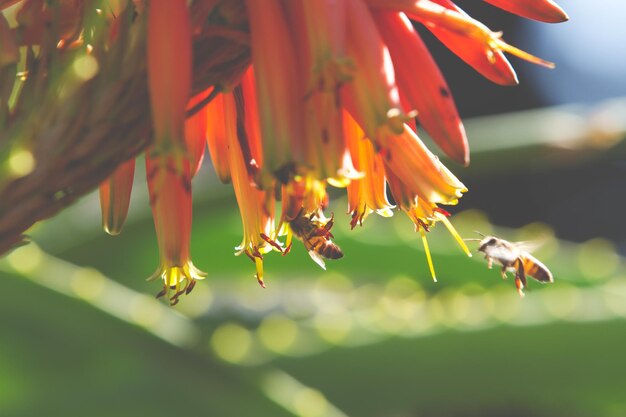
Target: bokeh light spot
333, 328
145, 311
278, 333
85, 67
597, 259
87, 283
21, 162
26, 259
309, 402
232, 342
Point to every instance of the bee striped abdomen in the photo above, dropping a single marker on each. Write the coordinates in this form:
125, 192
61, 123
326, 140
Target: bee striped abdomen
536, 269
330, 251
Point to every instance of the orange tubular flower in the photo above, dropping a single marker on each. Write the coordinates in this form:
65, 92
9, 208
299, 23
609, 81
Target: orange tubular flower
542, 10
328, 100
195, 134
320, 31
280, 106
423, 174
169, 185
469, 39
372, 97
167, 164
368, 193
422, 85
423, 213
249, 112
216, 126
256, 206
418, 182
115, 197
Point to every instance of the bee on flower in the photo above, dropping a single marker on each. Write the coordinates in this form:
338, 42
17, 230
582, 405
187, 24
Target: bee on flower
328, 97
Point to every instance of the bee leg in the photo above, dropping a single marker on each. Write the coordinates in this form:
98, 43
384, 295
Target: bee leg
503, 272
520, 277
329, 225
489, 262
520, 287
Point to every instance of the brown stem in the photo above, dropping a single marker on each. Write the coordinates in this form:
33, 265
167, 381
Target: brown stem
78, 141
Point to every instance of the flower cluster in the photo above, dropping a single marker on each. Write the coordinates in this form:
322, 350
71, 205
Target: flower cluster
331, 98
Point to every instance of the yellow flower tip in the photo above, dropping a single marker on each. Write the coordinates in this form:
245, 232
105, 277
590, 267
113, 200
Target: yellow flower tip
112, 229
345, 175
258, 263
180, 279
396, 119
256, 257
340, 181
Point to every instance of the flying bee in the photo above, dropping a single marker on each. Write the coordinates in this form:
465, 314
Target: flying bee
513, 257
316, 236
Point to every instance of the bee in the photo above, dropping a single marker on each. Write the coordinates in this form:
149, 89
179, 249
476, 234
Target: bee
513, 257
316, 237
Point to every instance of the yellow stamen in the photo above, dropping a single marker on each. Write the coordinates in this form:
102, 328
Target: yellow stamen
289, 237
428, 257
498, 43
258, 262
454, 233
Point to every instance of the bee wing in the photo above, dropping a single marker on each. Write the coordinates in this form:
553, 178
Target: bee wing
529, 246
317, 258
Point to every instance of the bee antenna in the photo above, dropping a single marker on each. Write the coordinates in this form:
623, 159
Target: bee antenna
472, 240
480, 233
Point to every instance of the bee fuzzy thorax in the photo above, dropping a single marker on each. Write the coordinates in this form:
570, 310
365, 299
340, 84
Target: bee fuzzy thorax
499, 249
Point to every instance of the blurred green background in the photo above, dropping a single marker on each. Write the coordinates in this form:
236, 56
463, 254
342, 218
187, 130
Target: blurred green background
81, 333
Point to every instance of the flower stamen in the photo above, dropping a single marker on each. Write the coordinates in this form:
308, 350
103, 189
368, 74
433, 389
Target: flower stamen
429, 258
453, 232
258, 262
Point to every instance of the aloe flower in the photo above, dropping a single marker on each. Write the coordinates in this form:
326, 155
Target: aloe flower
195, 135
422, 86
115, 197
168, 166
330, 99
542, 10
370, 193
